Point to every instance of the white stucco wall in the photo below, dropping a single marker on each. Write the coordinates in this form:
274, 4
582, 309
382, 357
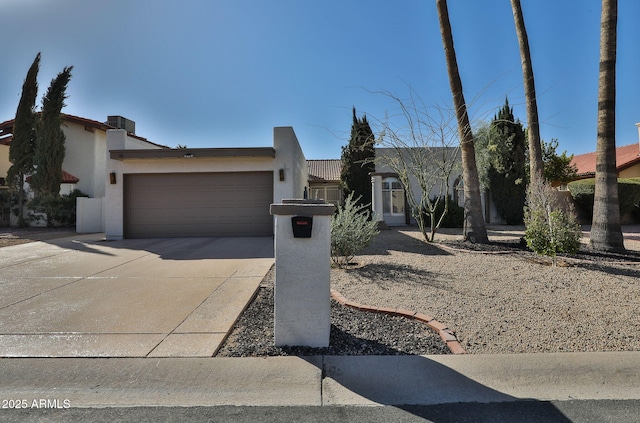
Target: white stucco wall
381, 167
288, 156
84, 157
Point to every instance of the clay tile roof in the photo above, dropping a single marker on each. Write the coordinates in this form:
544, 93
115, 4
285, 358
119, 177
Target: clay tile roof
324, 170
67, 178
626, 156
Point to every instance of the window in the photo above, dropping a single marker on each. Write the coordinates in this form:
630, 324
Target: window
392, 197
331, 194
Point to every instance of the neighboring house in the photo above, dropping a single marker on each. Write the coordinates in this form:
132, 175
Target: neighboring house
324, 180
84, 165
627, 161
389, 198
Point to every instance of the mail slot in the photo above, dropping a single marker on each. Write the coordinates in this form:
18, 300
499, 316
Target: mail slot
302, 226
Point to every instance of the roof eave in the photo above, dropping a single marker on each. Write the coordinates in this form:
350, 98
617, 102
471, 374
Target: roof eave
190, 153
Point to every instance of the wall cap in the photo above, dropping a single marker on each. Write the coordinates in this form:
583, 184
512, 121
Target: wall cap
303, 209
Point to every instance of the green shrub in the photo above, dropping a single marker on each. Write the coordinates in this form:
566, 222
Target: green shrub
583, 191
551, 227
351, 231
60, 210
454, 217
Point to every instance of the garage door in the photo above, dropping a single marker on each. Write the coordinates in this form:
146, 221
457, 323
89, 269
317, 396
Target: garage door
198, 204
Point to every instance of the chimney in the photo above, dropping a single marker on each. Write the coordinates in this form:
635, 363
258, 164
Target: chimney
122, 123
638, 126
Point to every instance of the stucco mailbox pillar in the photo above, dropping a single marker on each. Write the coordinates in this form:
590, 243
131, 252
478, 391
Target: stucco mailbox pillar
302, 314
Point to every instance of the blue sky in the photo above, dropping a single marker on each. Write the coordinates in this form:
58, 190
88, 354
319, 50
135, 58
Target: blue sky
223, 73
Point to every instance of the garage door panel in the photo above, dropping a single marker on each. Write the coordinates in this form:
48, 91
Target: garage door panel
198, 204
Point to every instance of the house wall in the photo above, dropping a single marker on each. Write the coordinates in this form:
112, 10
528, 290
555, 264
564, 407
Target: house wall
381, 167
288, 156
84, 157
630, 172
5, 164
86, 153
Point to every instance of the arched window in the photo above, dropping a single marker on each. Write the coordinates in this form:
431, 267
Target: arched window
392, 197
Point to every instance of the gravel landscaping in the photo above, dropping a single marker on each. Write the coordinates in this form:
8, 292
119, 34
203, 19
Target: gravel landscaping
499, 298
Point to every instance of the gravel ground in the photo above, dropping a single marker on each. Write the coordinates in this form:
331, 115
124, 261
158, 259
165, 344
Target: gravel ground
498, 299
353, 332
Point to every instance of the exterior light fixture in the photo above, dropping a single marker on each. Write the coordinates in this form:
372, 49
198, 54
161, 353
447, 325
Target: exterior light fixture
112, 178
281, 174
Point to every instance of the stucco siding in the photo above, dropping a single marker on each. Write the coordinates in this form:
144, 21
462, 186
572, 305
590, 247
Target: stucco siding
79, 151
5, 164
630, 172
288, 157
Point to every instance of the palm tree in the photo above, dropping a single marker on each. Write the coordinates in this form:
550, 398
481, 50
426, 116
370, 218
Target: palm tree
606, 233
474, 228
535, 150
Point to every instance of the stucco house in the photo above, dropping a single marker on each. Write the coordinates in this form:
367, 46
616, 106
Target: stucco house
389, 200
142, 189
324, 180
196, 192
627, 161
85, 151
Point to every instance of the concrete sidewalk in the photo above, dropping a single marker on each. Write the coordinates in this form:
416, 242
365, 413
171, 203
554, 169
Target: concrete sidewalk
347, 381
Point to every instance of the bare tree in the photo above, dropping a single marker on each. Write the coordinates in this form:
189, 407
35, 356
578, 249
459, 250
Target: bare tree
474, 227
535, 148
423, 152
606, 232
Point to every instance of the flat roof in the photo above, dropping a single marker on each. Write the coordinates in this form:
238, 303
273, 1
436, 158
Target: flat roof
175, 153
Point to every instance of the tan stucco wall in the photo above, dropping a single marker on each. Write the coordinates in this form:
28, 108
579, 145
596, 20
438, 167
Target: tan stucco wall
5, 164
631, 172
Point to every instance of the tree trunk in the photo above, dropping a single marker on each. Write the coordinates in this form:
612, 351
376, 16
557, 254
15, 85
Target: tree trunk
606, 233
474, 228
536, 166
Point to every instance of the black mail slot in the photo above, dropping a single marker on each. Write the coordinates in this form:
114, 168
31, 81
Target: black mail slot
301, 226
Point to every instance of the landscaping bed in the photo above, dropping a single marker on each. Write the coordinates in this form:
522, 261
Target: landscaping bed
499, 298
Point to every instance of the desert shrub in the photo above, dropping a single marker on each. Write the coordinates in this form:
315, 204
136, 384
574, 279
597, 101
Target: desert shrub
351, 231
551, 227
582, 192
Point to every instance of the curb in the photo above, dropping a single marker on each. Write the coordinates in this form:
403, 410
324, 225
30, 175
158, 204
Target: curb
446, 334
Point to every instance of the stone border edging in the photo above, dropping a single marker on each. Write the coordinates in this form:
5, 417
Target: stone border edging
462, 250
443, 331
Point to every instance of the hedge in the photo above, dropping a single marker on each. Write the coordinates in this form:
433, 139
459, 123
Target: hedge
583, 190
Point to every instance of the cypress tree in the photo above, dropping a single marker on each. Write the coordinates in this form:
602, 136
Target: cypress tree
357, 161
507, 170
50, 151
23, 142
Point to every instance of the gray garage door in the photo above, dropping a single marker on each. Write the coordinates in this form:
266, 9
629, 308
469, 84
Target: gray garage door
198, 204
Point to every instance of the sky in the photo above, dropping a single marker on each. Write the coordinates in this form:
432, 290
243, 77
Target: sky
223, 73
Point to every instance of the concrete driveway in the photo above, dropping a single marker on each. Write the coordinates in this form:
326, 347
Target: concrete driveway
86, 297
